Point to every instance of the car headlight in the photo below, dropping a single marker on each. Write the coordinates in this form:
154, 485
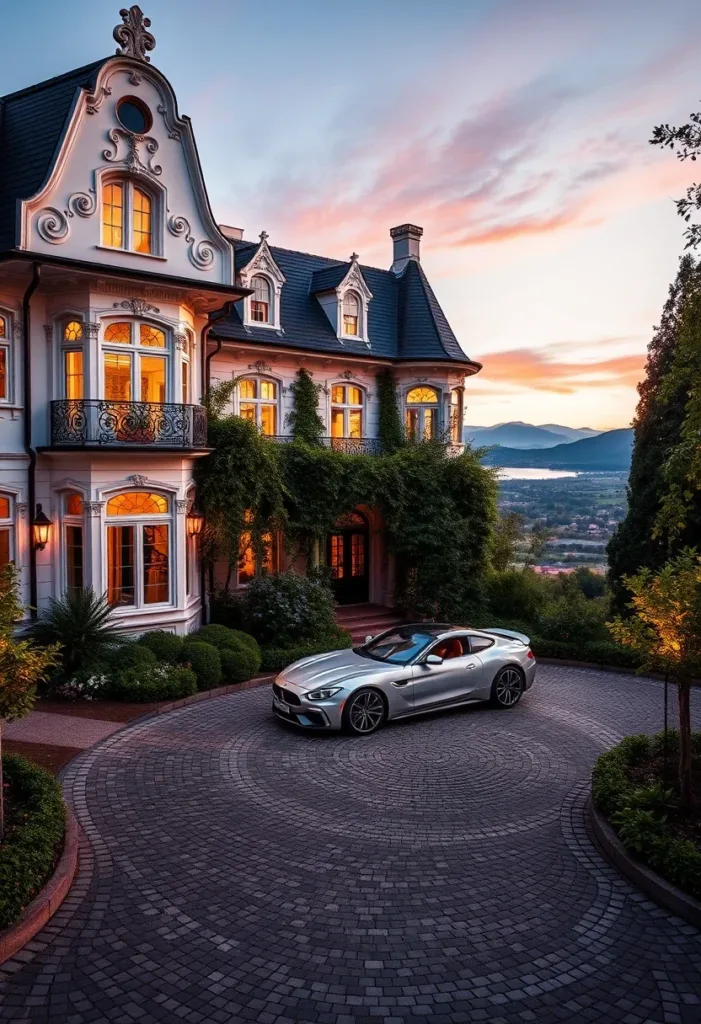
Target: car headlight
323, 694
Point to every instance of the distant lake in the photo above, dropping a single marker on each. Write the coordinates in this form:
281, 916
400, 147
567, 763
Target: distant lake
513, 473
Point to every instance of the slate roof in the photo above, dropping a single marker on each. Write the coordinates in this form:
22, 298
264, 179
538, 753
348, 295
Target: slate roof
405, 320
32, 123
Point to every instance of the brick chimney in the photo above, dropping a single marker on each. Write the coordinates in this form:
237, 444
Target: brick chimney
407, 245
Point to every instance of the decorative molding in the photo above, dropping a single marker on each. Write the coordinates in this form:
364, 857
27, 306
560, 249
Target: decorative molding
135, 78
91, 330
82, 203
21, 507
200, 254
173, 131
52, 225
263, 263
93, 509
49, 332
138, 479
95, 101
133, 38
182, 505
17, 332
347, 375
132, 161
260, 367
137, 306
181, 341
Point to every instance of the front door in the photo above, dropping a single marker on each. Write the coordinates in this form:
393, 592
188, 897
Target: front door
347, 555
458, 675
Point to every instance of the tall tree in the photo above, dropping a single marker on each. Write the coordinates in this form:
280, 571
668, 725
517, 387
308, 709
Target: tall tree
661, 412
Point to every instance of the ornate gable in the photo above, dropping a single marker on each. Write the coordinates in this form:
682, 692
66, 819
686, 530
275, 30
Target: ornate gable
263, 265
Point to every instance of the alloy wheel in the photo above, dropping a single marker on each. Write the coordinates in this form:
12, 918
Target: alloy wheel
366, 712
509, 687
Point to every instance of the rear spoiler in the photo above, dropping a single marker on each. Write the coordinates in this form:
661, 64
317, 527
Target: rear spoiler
509, 634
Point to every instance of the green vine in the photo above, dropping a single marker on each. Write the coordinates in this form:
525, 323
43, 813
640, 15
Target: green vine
390, 429
304, 419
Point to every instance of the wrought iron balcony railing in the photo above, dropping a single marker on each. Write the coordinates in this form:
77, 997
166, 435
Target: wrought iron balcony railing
94, 422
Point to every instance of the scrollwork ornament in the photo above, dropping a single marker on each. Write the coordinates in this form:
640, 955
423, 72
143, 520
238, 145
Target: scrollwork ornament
137, 306
91, 330
83, 203
202, 254
95, 101
133, 38
52, 225
138, 479
180, 226
93, 509
260, 366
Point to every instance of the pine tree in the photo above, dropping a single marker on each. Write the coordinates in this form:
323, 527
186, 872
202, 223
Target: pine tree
657, 425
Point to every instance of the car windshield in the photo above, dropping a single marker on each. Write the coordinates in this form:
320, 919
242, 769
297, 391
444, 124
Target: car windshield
398, 647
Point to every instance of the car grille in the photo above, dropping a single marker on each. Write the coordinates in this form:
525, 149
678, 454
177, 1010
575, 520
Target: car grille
286, 695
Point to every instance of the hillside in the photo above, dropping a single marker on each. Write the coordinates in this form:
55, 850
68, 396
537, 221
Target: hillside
524, 435
608, 451
571, 433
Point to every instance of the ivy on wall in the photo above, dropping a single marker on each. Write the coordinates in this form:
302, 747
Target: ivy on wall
304, 419
390, 429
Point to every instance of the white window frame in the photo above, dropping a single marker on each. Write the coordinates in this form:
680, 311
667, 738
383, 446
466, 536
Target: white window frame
347, 406
137, 351
421, 407
258, 402
460, 392
138, 522
71, 346
7, 345
155, 194
271, 300
67, 519
9, 524
263, 265
360, 326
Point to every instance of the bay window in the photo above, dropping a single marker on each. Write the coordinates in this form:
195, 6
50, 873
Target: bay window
73, 560
7, 530
133, 371
422, 413
72, 357
346, 411
5, 359
138, 549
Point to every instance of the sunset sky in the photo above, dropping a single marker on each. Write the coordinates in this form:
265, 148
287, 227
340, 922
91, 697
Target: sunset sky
514, 131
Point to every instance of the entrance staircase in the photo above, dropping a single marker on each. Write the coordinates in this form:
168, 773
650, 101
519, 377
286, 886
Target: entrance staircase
363, 620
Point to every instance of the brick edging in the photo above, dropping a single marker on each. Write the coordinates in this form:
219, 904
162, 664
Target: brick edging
48, 899
661, 891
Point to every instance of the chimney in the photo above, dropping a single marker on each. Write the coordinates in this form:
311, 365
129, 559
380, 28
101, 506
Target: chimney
407, 245
235, 234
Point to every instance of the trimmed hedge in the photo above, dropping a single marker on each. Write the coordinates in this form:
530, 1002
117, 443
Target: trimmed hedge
238, 665
33, 837
277, 658
600, 652
221, 636
205, 662
166, 646
134, 656
639, 814
163, 682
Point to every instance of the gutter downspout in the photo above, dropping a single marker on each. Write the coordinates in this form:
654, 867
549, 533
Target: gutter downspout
206, 359
31, 478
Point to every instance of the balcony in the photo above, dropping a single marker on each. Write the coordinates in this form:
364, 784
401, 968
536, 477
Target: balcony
98, 423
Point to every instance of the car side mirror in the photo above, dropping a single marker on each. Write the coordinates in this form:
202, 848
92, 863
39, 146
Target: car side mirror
433, 659
369, 638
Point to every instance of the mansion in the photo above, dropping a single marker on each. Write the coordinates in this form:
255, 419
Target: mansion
122, 299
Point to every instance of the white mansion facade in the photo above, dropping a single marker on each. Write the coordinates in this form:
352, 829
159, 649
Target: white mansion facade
121, 299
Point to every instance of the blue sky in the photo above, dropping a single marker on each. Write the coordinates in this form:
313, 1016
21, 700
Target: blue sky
514, 131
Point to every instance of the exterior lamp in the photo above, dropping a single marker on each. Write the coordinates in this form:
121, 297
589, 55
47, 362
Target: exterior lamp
41, 525
195, 522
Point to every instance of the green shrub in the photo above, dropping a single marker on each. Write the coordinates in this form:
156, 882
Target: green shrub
166, 646
277, 658
34, 833
574, 620
598, 653
134, 656
640, 814
162, 682
205, 662
222, 636
226, 609
83, 626
516, 594
238, 664
90, 683
286, 608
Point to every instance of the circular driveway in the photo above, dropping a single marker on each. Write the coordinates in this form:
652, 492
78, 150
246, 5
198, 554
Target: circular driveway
236, 871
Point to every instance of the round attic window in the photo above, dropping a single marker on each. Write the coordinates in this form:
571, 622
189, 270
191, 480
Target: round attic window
134, 115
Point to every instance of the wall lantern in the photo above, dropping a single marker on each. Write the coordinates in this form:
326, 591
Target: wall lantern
41, 525
195, 522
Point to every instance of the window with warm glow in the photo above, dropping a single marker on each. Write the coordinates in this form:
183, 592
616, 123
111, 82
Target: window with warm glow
133, 372
73, 552
351, 314
7, 527
72, 355
421, 416
249, 564
258, 399
6, 359
260, 300
127, 217
346, 411
138, 552
456, 415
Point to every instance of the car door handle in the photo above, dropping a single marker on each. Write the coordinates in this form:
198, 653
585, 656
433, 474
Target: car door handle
401, 682
469, 668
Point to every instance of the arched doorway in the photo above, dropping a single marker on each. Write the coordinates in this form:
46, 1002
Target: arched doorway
348, 557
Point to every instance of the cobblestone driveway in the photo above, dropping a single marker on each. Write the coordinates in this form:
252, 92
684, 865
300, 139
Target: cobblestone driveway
237, 871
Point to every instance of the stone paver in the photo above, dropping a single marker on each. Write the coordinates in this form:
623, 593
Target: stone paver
442, 869
61, 730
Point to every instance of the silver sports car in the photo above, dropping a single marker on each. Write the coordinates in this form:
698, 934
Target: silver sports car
405, 671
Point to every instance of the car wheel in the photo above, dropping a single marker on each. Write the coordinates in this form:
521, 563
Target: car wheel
364, 712
507, 688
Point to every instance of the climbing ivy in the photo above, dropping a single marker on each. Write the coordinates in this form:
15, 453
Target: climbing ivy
390, 430
304, 419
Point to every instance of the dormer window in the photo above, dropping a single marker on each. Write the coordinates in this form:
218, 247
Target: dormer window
351, 314
260, 300
127, 217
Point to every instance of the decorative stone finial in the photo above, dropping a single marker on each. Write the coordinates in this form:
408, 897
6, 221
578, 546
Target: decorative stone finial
354, 257
264, 236
132, 36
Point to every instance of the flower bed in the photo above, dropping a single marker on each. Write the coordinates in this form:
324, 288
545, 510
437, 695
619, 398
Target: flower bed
628, 789
35, 821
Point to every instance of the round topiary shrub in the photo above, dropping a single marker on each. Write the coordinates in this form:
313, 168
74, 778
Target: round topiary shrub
238, 664
160, 682
222, 636
166, 646
134, 656
205, 662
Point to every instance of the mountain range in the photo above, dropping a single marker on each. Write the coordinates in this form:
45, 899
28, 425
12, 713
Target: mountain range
526, 435
608, 451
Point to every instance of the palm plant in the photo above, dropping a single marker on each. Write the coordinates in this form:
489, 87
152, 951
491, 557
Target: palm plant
81, 624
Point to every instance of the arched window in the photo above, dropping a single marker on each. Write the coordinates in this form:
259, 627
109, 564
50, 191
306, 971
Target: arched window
127, 217
72, 358
7, 530
258, 399
260, 300
138, 549
422, 410
133, 371
73, 560
346, 410
5, 359
351, 314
